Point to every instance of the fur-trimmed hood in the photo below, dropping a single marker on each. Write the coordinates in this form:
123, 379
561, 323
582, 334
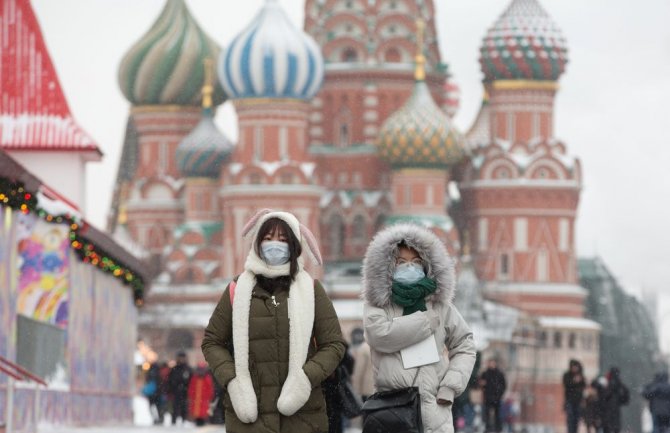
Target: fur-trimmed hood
379, 263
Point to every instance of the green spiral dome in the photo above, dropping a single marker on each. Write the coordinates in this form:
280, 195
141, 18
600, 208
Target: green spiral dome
166, 66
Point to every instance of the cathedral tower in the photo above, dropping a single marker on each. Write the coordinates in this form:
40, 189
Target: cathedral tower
271, 70
520, 192
420, 144
161, 76
368, 47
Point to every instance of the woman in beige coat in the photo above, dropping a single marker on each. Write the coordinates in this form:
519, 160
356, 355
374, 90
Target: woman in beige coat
408, 289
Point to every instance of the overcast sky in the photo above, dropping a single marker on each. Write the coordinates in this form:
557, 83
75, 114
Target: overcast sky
612, 109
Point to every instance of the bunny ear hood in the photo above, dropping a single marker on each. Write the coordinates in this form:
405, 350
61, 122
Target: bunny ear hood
379, 263
301, 232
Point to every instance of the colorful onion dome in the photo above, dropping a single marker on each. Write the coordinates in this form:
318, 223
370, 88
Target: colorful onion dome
202, 152
420, 135
166, 65
271, 58
524, 44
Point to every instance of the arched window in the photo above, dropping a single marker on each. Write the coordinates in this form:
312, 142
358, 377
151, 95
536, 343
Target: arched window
344, 135
558, 339
572, 340
336, 235
359, 229
254, 178
349, 55
379, 223
393, 56
343, 126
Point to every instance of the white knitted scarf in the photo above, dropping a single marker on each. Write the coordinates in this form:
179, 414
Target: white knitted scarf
301, 320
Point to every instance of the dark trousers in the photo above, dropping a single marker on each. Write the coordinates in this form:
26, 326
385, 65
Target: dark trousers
572, 416
491, 417
179, 408
662, 424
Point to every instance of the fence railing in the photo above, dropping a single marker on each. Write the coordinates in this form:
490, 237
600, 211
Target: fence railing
15, 372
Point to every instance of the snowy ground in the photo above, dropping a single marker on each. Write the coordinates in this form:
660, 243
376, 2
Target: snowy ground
143, 424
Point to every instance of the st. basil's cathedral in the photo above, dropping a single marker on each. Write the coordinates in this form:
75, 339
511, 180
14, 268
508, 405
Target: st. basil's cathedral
347, 124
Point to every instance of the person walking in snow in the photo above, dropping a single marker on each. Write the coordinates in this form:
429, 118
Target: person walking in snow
200, 394
274, 335
614, 395
493, 384
573, 387
408, 287
178, 380
658, 394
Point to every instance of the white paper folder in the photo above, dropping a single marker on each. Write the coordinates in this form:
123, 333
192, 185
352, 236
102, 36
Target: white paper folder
422, 353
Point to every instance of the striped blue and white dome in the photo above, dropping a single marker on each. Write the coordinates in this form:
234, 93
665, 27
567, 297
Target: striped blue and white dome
271, 58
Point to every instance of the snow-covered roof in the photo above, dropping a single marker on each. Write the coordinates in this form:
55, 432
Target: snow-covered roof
568, 323
501, 321
442, 222
34, 114
165, 287
347, 198
535, 288
349, 309
182, 315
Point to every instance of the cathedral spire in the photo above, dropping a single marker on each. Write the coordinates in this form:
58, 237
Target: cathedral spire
420, 59
208, 85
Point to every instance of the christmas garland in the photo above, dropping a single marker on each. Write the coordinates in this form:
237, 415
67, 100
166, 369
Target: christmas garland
16, 197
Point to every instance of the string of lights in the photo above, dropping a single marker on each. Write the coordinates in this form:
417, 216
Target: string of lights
14, 196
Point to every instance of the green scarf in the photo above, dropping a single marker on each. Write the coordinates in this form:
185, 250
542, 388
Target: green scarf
412, 297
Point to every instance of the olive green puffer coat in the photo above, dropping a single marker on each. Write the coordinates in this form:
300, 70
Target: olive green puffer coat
268, 359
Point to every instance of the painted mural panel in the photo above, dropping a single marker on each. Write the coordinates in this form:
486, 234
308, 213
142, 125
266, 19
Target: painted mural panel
102, 333
8, 278
43, 262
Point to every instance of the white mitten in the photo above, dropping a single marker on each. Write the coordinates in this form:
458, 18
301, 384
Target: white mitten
294, 393
243, 397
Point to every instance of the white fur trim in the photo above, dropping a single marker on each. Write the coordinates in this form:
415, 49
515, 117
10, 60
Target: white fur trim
294, 393
243, 398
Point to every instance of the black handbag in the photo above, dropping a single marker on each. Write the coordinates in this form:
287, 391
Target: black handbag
394, 411
351, 402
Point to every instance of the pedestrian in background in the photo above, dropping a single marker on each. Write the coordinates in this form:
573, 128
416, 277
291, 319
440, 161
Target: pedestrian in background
274, 336
591, 409
151, 390
658, 394
574, 384
163, 389
408, 285
362, 377
493, 384
614, 395
200, 394
332, 394
179, 379
463, 410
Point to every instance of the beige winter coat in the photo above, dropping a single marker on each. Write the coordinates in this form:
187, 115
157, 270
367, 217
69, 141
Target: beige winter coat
443, 380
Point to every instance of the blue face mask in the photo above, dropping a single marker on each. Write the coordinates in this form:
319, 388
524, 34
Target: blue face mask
408, 273
275, 253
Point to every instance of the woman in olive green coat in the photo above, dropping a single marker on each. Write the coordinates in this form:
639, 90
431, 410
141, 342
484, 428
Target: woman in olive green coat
274, 336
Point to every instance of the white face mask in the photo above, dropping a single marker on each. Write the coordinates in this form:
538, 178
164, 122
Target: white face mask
275, 253
408, 273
